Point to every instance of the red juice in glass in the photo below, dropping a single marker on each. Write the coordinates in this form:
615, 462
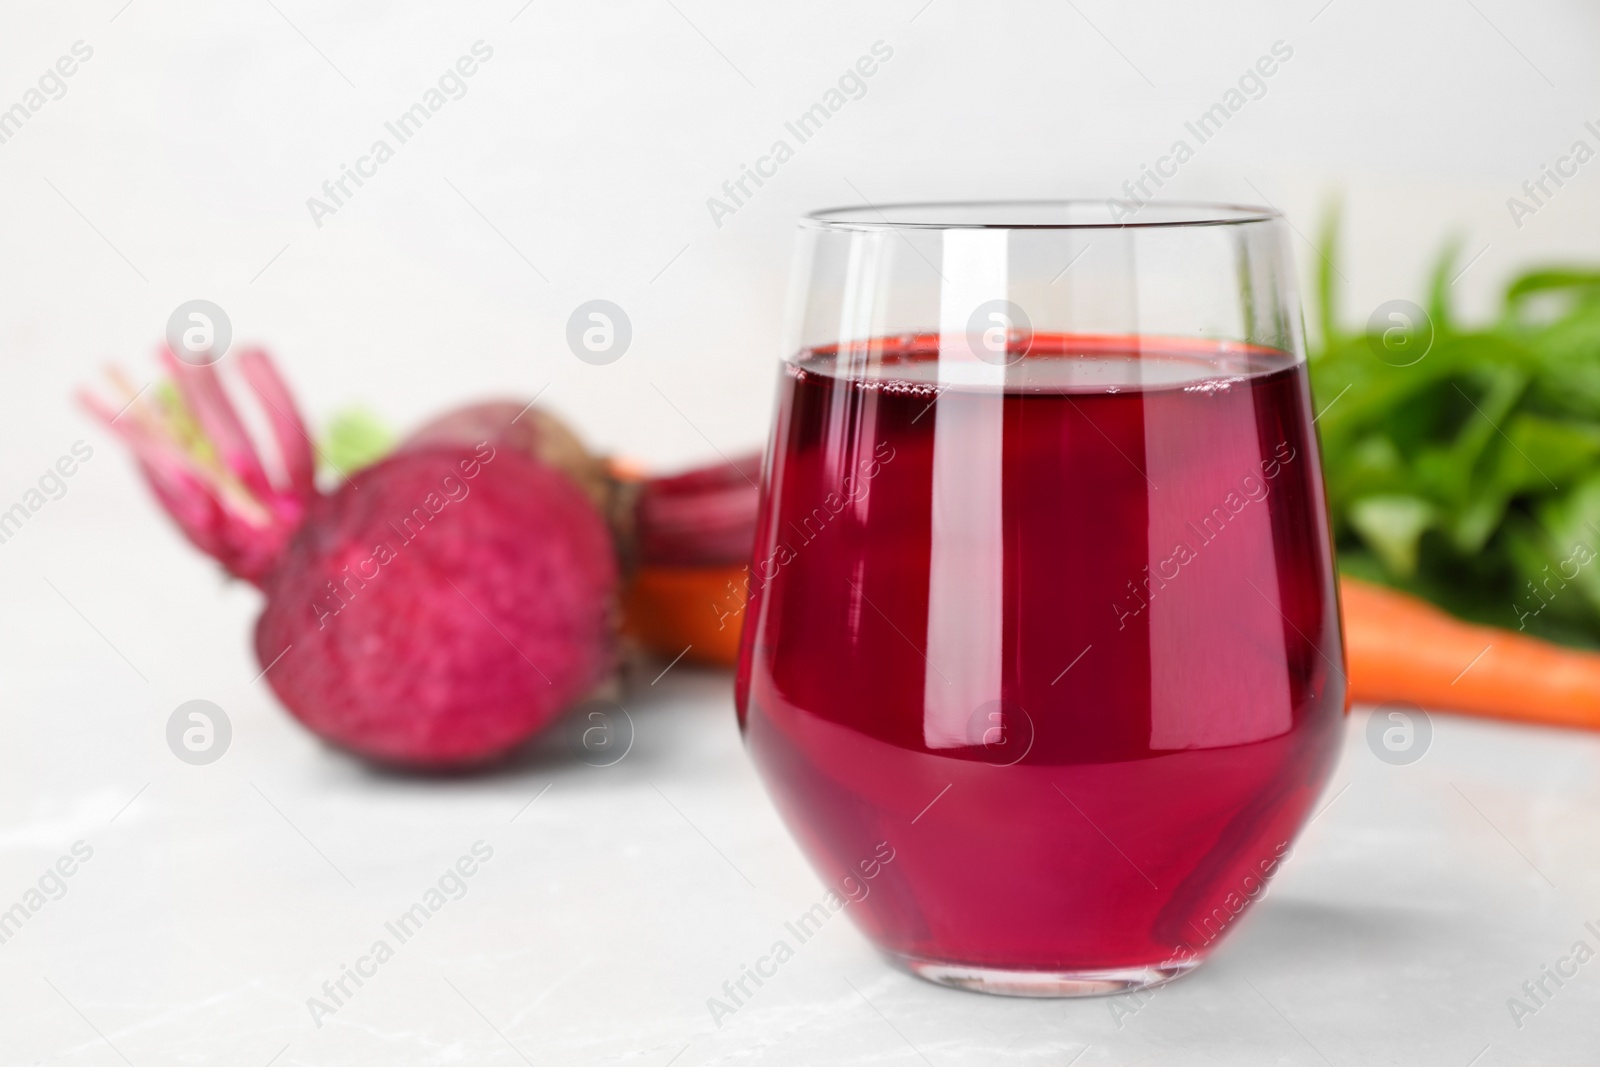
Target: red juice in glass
1066, 637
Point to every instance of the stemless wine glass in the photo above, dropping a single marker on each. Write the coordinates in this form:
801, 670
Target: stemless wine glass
1041, 659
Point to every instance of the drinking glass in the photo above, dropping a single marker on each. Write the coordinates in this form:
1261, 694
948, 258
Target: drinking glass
1041, 658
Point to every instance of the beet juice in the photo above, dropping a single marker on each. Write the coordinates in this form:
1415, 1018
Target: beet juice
1064, 636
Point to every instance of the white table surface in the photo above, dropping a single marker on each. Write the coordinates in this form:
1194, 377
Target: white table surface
219, 898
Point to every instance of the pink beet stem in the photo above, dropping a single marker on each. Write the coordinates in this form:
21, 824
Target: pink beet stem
202, 393
288, 429
205, 469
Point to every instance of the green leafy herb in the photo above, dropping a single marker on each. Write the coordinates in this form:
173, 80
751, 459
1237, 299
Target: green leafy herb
1463, 462
356, 438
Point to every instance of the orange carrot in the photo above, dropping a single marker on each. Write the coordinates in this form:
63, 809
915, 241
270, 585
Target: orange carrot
666, 609
1398, 647
1402, 648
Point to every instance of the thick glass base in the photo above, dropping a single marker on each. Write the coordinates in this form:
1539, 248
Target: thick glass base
1007, 983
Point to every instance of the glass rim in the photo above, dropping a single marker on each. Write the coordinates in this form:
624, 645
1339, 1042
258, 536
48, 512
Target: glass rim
1069, 214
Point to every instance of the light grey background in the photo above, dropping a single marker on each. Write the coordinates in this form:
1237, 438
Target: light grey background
177, 166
